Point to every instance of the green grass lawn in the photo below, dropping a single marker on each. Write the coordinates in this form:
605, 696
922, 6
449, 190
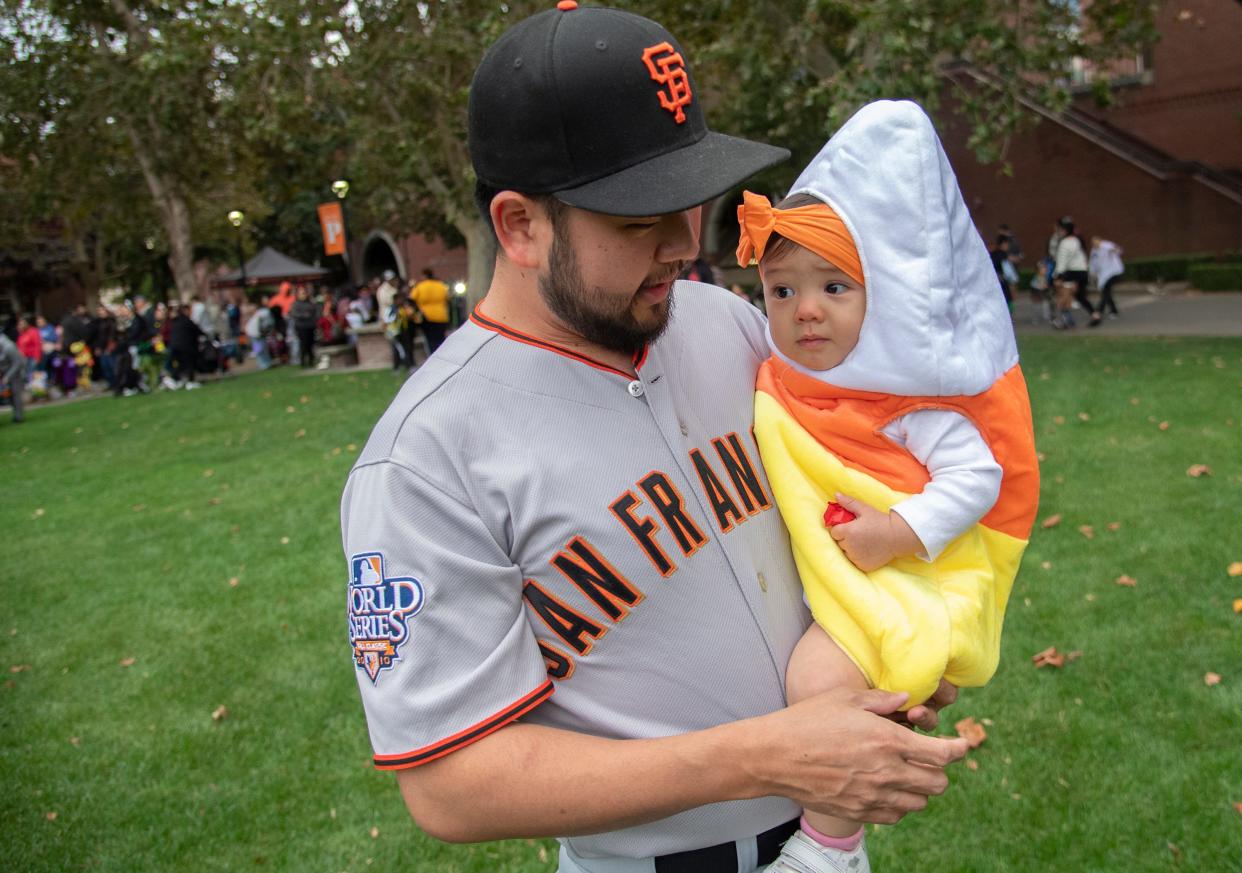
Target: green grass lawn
127, 521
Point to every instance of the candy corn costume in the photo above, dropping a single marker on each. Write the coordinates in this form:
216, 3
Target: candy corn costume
937, 350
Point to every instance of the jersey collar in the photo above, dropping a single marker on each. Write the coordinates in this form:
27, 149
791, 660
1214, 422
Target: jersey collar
483, 321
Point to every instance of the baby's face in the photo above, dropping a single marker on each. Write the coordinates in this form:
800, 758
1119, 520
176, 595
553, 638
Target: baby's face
815, 311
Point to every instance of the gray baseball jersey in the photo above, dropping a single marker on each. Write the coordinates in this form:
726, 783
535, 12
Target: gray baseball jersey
532, 534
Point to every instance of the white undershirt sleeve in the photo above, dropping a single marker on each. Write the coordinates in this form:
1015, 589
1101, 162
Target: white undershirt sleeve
965, 478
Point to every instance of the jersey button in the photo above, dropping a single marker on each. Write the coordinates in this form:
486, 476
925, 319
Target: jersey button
763, 583
636, 388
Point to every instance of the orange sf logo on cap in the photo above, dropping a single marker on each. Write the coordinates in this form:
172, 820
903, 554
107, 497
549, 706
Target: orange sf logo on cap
667, 67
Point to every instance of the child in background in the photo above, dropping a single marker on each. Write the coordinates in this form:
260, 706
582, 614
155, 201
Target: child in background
893, 399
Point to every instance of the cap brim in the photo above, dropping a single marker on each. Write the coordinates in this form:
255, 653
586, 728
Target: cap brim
678, 180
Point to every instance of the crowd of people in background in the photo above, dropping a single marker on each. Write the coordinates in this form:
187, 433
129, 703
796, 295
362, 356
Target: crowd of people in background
136, 346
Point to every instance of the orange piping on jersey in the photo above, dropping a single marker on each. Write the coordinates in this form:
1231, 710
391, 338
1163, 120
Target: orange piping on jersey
848, 423
496, 327
475, 732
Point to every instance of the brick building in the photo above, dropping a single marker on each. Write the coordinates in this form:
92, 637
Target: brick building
1159, 170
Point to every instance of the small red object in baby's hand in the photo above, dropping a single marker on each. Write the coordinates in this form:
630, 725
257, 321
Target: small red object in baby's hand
837, 514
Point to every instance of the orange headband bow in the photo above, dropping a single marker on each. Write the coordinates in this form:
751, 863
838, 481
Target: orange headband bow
815, 227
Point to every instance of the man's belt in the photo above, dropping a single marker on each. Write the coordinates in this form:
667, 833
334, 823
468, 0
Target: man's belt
723, 858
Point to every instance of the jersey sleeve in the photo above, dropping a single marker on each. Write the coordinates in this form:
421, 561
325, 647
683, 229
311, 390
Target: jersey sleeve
441, 645
965, 477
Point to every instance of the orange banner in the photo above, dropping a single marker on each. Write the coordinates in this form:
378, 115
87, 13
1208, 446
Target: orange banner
332, 222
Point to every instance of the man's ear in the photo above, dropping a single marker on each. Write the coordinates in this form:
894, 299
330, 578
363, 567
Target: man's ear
523, 229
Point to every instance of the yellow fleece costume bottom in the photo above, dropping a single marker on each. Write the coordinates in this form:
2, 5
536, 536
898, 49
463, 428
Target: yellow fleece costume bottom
911, 622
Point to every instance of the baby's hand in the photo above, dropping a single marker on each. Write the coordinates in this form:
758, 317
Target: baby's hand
873, 538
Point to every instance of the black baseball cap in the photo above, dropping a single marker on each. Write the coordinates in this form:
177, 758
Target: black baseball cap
598, 107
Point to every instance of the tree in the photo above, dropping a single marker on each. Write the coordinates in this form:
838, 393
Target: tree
789, 73
186, 99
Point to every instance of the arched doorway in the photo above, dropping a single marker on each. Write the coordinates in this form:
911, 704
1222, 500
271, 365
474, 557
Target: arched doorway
380, 253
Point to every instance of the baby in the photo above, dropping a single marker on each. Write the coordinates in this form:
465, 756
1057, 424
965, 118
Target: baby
894, 424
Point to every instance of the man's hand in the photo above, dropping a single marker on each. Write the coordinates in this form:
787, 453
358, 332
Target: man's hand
837, 753
873, 538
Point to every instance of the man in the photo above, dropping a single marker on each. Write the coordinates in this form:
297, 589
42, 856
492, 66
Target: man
431, 296
571, 601
184, 336
305, 316
13, 375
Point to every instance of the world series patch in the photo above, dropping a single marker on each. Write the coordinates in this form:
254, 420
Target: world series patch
379, 609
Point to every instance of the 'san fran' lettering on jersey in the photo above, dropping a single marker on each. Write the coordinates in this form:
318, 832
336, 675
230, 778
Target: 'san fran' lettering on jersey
733, 490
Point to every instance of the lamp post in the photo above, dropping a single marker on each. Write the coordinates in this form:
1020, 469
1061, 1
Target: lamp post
236, 217
341, 189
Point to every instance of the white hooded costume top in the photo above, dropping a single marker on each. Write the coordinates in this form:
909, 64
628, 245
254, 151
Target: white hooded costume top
936, 323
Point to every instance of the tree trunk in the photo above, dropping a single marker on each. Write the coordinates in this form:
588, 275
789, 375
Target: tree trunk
180, 247
481, 258
174, 215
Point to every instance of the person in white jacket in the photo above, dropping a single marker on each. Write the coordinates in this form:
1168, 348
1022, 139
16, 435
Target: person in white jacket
1071, 268
1105, 267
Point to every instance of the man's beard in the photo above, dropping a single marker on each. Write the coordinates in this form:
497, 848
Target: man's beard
591, 313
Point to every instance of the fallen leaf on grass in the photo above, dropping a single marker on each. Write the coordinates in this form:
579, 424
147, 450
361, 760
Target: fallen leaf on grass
1238, 807
75, 741
1164, 425
1051, 521
1041, 457
220, 713
19, 668
1058, 419
374, 833
1083, 416
972, 764
1134, 401
214, 501
1235, 569
1114, 525
1197, 470
1090, 598
284, 541
971, 731
233, 582
1237, 605
1127, 581
1049, 657
1210, 679
38, 513
1177, 853
52, 816
1073, 656
127, 662
1087, 531
289, 409
351, 447
301, 433
208, 473
139, 507
1045, 565
303, 399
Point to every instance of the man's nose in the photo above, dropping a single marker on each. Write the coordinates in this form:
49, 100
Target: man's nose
680, 240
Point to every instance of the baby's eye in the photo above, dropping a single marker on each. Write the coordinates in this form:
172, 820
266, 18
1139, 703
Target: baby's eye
782, 292
835, 288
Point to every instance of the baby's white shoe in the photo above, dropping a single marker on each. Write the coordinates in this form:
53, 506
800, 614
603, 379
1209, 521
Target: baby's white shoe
801, 854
